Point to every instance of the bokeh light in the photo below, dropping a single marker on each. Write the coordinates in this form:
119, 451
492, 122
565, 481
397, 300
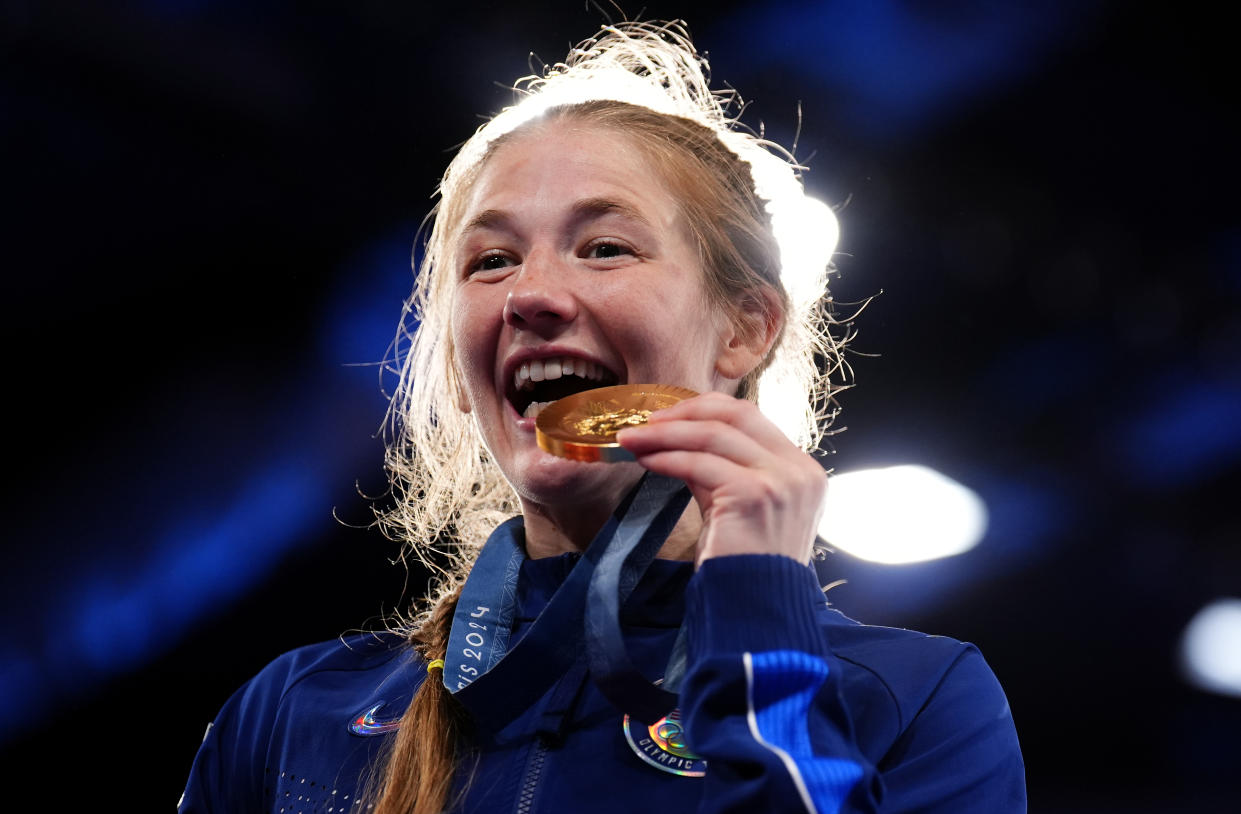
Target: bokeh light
1211, 648
901, 514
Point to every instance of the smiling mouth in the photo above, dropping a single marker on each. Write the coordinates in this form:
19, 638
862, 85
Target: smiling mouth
539, 382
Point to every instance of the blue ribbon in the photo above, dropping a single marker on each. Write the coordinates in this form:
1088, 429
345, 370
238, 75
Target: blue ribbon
630, 552
497, 684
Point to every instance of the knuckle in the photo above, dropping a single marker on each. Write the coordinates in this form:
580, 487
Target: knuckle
772, 491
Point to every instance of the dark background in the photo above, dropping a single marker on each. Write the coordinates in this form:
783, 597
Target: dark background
209, 212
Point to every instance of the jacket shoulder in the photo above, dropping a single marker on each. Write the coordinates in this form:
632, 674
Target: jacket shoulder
359, 652
904, 671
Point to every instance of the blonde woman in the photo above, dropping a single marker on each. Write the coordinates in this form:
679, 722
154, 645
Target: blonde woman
618, 636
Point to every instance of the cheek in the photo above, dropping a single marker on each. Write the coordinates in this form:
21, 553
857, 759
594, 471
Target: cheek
672, 339
471, 337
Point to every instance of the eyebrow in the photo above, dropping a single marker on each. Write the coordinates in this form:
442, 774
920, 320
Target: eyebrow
488, 219
583, 210
597, 207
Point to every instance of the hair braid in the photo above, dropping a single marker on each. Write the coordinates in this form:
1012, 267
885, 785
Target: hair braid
417, 776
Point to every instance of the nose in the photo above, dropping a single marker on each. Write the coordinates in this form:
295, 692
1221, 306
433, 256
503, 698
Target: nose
540, 299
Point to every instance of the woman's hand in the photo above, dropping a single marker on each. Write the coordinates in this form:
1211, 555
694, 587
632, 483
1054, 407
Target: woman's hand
759, 494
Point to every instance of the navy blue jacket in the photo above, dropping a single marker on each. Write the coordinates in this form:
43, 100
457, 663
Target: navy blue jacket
787, 706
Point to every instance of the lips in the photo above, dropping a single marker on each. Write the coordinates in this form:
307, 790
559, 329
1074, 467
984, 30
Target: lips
535, 383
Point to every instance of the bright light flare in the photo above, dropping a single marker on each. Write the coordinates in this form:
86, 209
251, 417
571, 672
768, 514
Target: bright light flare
1211, 648
806, 229
901, 514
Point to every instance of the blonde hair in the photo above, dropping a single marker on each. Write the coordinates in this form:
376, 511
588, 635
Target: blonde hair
761, 240
647, 80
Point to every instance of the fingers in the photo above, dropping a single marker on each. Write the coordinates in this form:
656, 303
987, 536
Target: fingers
759, 493
715, 440
701, 471
713, 436
742, 414
712, 422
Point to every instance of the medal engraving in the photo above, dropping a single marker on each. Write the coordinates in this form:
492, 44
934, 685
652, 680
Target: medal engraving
583, 426
611, 422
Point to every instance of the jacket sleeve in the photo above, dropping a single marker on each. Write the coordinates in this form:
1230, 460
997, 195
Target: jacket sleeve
763, 705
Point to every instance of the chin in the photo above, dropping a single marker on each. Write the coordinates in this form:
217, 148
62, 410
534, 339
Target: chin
550, 481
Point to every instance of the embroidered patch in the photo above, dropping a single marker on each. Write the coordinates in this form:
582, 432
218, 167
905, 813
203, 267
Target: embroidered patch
662, 744
366, 724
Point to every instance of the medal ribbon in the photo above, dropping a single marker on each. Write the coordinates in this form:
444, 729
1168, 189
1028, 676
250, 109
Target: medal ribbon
497, 684
623, 563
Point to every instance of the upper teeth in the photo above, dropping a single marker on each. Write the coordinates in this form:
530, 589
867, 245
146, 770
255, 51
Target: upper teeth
539, 370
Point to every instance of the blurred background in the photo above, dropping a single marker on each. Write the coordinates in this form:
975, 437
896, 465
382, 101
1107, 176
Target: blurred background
210, 207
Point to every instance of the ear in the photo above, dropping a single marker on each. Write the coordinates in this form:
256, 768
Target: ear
749, 333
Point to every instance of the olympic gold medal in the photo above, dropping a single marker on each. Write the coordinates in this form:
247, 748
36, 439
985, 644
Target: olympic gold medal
583, 426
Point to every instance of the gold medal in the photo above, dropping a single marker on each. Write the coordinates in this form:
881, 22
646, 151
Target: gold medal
583, 426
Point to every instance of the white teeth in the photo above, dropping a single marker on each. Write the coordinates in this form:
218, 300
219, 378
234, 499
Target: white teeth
538, 370
535, 408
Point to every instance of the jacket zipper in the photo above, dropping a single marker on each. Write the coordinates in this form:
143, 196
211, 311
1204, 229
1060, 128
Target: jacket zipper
534, 768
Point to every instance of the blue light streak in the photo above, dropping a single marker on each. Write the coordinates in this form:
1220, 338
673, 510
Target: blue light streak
134, 598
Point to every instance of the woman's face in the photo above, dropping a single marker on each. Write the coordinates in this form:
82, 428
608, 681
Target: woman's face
574, 266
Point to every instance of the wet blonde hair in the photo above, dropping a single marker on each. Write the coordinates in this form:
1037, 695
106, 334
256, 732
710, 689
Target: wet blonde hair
764, 248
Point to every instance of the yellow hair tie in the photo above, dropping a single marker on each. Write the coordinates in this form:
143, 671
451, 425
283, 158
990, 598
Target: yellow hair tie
437, 664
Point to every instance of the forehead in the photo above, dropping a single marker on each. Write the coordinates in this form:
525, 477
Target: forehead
561, 162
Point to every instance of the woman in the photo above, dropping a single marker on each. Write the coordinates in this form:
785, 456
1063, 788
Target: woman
613, 228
